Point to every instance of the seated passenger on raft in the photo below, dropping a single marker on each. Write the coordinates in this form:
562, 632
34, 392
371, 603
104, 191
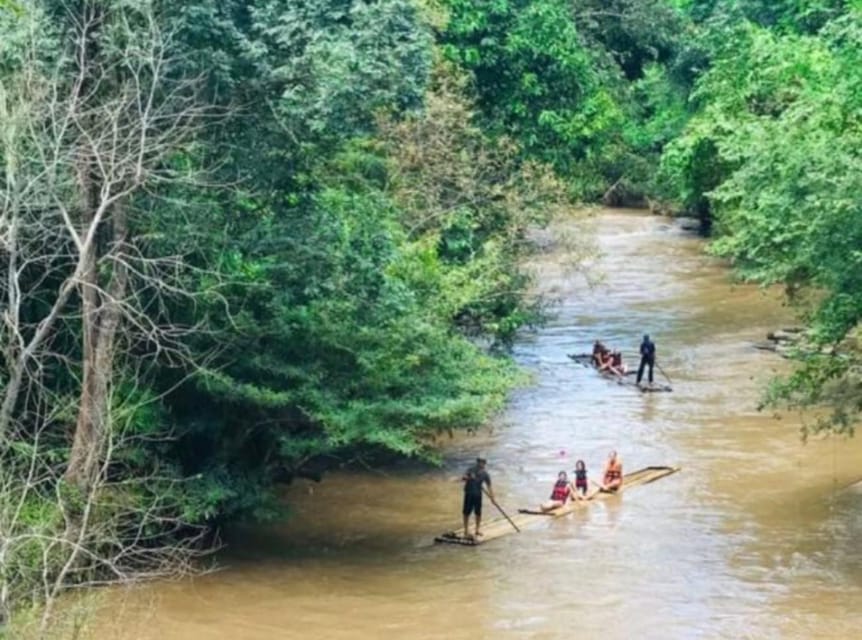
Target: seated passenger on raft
581, 489
612, 478
599, 351
617, 365
560, 494
606, 361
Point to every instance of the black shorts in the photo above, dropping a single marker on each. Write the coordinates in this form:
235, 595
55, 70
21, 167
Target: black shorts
472, 504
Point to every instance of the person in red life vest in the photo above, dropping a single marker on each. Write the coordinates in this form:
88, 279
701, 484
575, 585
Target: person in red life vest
560, 493
612, 478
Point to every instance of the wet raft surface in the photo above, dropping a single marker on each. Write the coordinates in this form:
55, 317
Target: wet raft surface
586, 360
526, 518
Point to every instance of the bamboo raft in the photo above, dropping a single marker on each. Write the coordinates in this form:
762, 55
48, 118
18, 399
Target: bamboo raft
586, 360
526, 518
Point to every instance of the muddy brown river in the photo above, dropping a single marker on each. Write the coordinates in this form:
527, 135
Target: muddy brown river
756, 537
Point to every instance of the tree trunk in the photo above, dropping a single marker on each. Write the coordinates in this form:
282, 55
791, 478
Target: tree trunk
102, 315
14, 361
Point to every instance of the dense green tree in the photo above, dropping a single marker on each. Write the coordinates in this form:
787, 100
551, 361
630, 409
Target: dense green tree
795, 15
791, 213
534, 76
568, 80
352, 310
634, 33
772, 155
341, 328
267, 284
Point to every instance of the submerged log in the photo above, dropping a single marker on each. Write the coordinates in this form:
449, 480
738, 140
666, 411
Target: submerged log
660, 207
765, 346
786, 335
791, 341
623, 194
689, 224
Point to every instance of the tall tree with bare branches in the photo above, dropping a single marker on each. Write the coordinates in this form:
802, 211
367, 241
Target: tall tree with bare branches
96, 110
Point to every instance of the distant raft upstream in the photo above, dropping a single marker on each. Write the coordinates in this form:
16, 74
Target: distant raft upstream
586, 360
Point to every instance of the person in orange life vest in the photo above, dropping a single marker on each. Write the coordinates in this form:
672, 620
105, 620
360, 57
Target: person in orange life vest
560, 493
612, 478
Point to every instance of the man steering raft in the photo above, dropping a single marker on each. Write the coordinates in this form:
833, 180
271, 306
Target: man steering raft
612, 478
647, 358
474, 480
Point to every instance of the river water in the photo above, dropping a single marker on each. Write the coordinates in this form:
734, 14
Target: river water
756, 537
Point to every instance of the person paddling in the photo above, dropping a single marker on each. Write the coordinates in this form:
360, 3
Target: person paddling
612, 478
474, 479
647, 359
560, 493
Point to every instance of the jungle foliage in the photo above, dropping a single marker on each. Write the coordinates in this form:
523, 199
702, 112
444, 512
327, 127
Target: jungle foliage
246, 241
770, 156
242, 241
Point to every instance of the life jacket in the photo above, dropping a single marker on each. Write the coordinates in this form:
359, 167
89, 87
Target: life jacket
561, 491
580, 477
614, 472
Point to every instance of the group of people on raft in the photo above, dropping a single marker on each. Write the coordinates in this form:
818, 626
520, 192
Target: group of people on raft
610, 361
477, 481
578, 489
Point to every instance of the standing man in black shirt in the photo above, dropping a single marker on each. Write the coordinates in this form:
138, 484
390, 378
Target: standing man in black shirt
647, 358
474, 478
